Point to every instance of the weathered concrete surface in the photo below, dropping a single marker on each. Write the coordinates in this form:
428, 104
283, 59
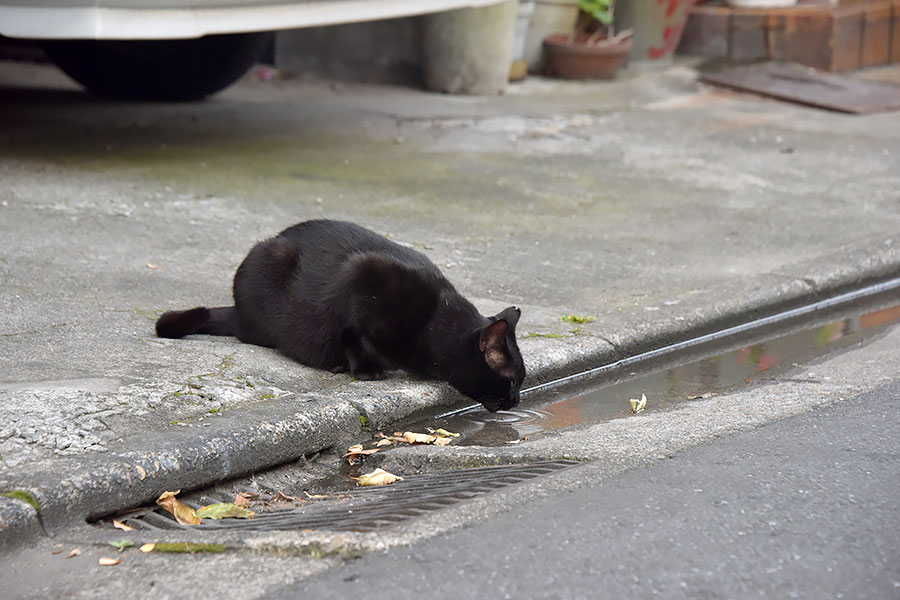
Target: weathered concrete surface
260, 564
653, 203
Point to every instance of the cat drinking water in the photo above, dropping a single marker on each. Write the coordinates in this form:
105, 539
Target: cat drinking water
336, 296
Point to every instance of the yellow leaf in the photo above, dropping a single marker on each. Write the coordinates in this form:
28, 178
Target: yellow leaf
377, 477
109, 562
442, 441
122, 526
148, 547
418, 438
442, 432
638, 405
183, 513
224, 510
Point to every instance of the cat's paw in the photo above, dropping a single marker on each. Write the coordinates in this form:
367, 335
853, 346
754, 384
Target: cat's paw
339, 369
368, 374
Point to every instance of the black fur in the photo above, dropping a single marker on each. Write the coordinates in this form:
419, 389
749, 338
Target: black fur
336, 296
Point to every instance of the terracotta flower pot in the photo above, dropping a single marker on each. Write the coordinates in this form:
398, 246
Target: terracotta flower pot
582, 61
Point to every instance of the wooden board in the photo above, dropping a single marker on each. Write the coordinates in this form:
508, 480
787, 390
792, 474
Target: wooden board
796, 83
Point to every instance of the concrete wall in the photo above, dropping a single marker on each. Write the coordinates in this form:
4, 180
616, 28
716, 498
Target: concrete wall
465, 51
379, 51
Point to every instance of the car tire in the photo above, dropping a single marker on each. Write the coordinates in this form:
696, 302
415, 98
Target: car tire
168, 70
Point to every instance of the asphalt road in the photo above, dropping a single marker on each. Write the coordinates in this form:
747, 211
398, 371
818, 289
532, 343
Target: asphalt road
801, 508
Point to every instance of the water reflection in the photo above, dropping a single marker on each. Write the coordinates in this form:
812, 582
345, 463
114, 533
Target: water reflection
715, 374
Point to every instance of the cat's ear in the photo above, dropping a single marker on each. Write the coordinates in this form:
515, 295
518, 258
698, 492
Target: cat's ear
493, 342
510, 315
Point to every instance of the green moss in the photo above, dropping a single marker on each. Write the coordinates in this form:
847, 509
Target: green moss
545, 335
24, 496
226, 363
187, 547
213, 411
364, 422
266, 396
577, 319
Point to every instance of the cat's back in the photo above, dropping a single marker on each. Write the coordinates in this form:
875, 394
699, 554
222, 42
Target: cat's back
330, 242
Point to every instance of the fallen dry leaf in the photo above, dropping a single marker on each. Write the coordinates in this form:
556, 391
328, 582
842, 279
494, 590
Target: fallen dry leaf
183, 513
224, 510
152, 266
397, 437
315, 496
638, 405
442, 432
419, 438
384, 442
355, 452
109, 562
442, 441
377, 477
148, 547
122, 526
241, 500
74, 553
282, 497
57, 550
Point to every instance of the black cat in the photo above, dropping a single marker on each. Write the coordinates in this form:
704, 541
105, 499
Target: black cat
336, 296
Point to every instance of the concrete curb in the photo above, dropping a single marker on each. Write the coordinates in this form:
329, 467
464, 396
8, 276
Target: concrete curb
250, 439
77, 488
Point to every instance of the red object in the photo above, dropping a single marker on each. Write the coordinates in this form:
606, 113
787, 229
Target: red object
582, 61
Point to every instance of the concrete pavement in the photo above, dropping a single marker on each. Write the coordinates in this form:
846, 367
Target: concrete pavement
660, 206
801, 508
819, 440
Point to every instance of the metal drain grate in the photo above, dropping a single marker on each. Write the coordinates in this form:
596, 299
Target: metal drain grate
367, 509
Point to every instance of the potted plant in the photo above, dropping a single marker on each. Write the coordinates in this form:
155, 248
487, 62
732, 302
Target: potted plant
593, 49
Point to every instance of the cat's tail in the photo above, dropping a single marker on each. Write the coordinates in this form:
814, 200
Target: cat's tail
212, 321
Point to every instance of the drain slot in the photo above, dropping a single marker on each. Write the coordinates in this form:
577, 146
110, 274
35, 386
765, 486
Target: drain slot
770, 326
369, 509
770, 349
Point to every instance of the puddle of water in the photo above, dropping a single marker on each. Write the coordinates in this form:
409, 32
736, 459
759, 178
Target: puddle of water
773, 359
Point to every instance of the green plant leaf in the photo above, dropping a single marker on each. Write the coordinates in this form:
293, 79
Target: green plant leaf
122, 544
24, 497
598, 9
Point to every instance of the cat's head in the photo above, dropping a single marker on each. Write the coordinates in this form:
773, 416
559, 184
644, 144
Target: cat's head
493, 375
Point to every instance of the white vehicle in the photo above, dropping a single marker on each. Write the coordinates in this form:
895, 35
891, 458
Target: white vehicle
180, 50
